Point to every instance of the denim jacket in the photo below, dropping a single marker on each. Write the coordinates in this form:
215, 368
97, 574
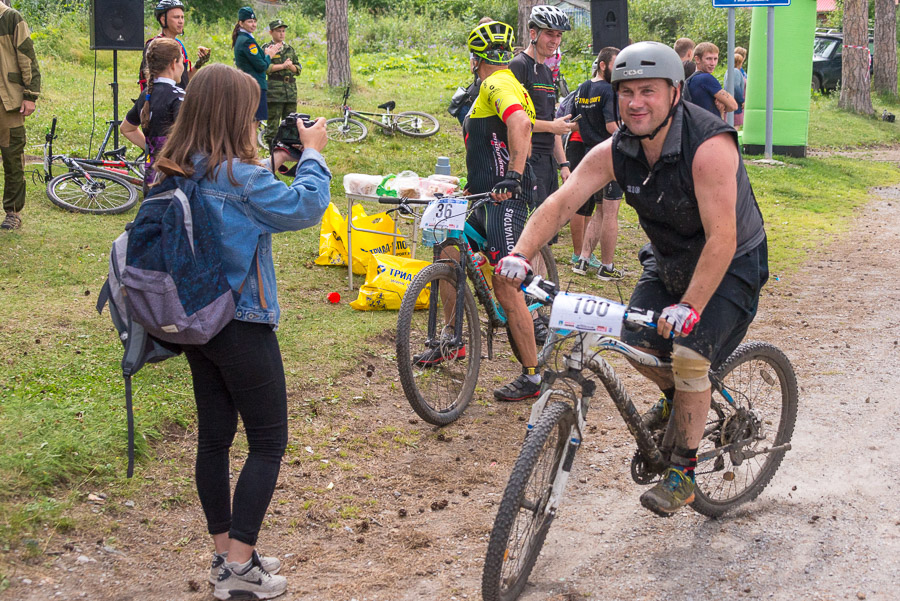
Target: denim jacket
248, 214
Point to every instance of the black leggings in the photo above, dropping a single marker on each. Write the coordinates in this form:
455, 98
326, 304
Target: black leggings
238, 372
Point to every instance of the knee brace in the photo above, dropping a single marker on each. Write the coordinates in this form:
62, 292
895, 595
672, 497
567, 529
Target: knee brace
691, 370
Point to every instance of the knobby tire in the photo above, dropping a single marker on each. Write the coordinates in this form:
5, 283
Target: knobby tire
759, 376
355, 131
441, 393
406, 124
104, 194
521, 525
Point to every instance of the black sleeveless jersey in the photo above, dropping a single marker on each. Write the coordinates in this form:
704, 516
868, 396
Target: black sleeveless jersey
664, 197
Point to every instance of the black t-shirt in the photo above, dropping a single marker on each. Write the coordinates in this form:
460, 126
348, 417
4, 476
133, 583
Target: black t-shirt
538, 82
596, 102
165, 102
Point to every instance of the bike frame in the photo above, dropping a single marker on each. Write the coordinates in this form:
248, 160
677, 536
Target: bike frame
120, 166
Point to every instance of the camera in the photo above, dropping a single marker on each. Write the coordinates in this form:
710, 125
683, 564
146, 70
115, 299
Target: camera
287, 134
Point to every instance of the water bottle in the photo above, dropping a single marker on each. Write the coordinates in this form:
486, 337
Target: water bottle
481, 263
443, 166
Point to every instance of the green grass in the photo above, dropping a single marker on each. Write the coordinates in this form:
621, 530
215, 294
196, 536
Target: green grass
832, 128
62, 419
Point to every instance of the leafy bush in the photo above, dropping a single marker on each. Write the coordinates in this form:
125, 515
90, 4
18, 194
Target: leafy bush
665, 21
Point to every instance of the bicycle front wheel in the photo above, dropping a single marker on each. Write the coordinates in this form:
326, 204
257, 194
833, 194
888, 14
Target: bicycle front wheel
438, 378
417, 124
760, 380
100, 193
525, 515
351, 131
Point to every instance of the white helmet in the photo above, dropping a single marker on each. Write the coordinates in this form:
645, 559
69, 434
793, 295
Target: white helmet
549, 17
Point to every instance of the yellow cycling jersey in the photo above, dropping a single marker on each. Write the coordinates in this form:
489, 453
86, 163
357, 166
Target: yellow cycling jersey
487, 150
501, 95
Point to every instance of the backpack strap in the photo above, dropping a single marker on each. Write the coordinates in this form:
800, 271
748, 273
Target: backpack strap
129, 411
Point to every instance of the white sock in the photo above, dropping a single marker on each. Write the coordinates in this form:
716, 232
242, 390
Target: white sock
534, 379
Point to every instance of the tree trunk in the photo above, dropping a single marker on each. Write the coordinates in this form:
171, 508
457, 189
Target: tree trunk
337, 35
885, 78
855, 95
522, 36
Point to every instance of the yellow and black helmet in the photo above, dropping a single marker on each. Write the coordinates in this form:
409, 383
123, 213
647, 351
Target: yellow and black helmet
492, 42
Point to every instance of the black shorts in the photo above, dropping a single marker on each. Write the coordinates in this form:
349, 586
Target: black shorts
726, 317
575, 152
501, 225
546, 177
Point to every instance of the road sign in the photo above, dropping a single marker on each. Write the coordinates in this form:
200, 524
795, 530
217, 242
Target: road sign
748, 3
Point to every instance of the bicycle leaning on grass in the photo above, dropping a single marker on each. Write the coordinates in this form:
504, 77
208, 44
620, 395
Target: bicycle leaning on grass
439, 392
349, 127
748, 429
102, 185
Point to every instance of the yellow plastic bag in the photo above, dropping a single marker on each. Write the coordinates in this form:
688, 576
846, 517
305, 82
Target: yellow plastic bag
386, 282
366, 244
332, 250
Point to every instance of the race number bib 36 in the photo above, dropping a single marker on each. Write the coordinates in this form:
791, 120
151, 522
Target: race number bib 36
586, 313
445, 214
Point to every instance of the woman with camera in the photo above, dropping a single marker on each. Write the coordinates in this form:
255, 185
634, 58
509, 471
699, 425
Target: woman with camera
239, 373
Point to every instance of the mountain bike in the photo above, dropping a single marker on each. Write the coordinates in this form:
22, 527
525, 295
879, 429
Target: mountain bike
440, 392
748, 429
102, 185
346, 128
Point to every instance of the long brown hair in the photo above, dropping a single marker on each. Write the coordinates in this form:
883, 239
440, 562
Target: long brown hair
161, 53
234, 32
215, 120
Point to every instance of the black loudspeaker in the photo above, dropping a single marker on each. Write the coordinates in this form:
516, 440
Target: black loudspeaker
609, 24
117, 24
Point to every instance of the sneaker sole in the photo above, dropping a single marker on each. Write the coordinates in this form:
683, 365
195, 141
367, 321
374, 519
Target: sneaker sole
214, 579
606, 278
242, 595
579, 271
458, 357
522, 398
650, 503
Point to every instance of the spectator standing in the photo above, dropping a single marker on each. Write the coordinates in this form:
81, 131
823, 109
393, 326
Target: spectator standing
239, 373
685, 49
19, 89
283, 70
743, 52
595, 101
249, 58
545, 26
170, 16
147, 123
706, 91
740, 89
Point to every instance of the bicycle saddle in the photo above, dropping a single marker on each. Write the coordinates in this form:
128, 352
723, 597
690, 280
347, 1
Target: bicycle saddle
388, 106
117, 153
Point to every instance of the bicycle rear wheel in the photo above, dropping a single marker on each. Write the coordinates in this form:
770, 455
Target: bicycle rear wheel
524, 517
417, 124
761, 381
99, 193
438, 391
352, 131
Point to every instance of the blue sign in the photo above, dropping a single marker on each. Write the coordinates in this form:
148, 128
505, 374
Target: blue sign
748, 3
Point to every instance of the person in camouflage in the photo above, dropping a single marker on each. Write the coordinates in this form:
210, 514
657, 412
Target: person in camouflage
282, 79
19, 89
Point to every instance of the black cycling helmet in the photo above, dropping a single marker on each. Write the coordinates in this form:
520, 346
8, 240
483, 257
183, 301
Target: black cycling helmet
165, 6
549, 17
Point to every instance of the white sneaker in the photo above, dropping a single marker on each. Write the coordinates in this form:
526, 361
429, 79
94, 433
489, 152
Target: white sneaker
270, 564
248, 581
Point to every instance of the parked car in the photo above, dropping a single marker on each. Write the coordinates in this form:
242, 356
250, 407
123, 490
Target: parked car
827, 53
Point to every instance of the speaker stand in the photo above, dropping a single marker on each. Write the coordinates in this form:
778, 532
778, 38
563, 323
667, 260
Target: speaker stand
115, 92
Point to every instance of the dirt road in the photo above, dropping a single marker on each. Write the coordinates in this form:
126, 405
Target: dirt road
828, 527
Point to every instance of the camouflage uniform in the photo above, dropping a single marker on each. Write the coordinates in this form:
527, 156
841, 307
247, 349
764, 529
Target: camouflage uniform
21, 81
282, 94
